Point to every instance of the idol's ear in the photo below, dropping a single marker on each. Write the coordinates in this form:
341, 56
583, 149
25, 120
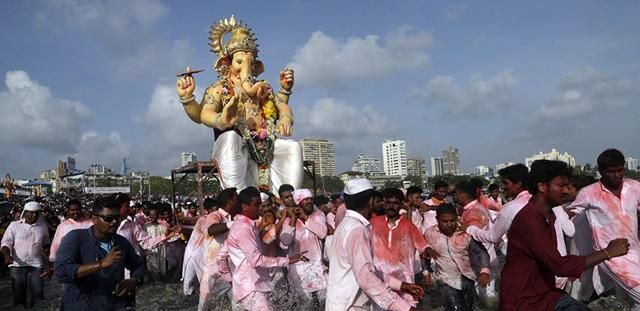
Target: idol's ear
221, 62
258, 67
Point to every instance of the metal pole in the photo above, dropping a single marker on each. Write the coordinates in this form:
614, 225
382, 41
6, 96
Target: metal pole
200, 195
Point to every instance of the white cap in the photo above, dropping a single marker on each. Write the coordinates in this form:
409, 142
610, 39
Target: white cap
301, 194
356, 186
33, 207
263, 196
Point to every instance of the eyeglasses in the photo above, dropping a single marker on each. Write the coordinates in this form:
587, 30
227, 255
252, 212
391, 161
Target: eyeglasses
109, 219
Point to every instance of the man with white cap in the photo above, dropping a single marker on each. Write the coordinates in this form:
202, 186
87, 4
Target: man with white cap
23, 246
303, 232
352, 281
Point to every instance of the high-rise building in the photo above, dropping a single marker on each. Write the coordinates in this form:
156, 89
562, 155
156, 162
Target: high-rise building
503, 165
188, 158
482, 170
632, 164
61, 168
367, 164
451, 161
125, 169
320, 151
394, 157
553, 155
437, 168
416, 166
71, 164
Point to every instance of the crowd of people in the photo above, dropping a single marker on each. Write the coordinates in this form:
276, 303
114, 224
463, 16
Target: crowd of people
542, 240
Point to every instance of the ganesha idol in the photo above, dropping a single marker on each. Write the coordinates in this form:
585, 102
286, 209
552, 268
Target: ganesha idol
248, 116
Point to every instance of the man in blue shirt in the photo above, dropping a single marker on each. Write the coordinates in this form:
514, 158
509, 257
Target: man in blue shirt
91, 263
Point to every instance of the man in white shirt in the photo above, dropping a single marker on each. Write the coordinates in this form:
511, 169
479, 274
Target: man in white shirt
352, 282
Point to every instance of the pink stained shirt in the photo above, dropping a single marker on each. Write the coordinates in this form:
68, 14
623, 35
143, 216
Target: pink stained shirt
141, 218
26, 243
475, 214
394, 247
306, 237
352, 279
503, 221
212, 244
563, 227
62, 230
137, 236
455, 259
610, 218
251, 272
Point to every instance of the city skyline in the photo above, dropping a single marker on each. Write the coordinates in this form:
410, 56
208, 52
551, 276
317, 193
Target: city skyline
489, 78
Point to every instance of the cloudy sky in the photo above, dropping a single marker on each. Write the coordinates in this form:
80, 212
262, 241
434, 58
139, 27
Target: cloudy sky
95, 79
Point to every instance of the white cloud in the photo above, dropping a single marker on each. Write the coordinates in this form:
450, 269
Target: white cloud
106, 149
124, 30
584, 91
327, 61
336, 120
30, 116
170, 131
477, 97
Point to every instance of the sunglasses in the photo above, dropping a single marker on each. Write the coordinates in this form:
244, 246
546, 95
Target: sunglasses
108, 219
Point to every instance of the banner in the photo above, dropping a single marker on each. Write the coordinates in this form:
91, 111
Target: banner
106, 190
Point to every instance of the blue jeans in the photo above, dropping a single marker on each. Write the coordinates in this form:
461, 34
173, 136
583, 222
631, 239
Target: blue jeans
459, 300
566, 303
23, 278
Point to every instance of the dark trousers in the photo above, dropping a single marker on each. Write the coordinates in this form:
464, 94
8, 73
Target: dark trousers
566, 303
24, 278
459, 300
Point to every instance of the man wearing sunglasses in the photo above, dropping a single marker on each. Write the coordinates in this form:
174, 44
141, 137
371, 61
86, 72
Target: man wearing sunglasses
91, 263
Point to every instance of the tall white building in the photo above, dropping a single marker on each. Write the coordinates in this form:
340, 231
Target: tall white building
416, 166
367, 164
631, 164
481, 170
451, 161
320, 151
553, 155
394, 157
437, 168
188, 158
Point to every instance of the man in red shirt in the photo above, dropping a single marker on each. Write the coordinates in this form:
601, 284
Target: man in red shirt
533, 260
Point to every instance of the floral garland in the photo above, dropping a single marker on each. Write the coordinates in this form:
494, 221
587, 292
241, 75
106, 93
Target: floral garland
259, 142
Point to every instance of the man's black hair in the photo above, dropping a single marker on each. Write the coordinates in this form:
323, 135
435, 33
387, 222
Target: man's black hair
122, 198
446, 209
516, 173
245, 196
320, 200
74, 202
544, 171
393, 193
105, 202
210, 203
581, 181
610, 158
468, 188
477, 182
414, 189
284, 188
440, 184
226, 195
358, 201
493, 187
378, 194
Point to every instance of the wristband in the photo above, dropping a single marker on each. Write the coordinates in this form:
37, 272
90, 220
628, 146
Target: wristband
188, 100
